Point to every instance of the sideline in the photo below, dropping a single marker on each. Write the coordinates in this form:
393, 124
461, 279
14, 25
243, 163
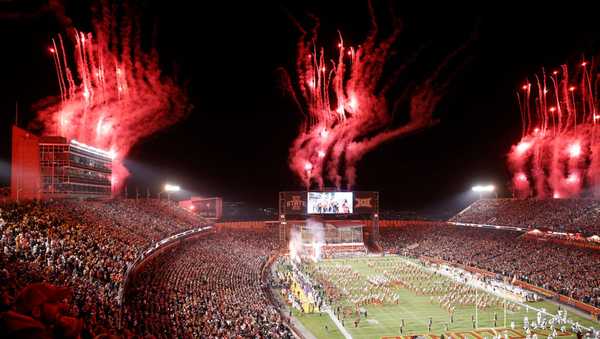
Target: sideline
294, 323
338, 324
327, 310
478, 286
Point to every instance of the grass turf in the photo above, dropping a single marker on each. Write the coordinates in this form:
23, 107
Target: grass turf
385, 320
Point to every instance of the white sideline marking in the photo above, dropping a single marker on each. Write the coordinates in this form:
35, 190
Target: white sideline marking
338, 324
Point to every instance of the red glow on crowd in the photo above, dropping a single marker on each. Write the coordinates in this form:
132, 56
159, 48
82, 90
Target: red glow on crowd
122, 95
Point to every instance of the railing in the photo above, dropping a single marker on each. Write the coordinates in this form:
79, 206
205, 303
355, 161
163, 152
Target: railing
391, 223
498, 227
150, 252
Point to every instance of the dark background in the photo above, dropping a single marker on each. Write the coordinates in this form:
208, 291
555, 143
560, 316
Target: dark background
235, 141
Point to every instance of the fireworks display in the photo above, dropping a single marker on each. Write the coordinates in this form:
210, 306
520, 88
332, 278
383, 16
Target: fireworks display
112, 92
346, 106
558, 155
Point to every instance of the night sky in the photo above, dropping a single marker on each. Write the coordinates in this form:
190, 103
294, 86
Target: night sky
235, 141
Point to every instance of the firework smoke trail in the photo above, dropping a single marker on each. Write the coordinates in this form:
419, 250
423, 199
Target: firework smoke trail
318, 241
296, 247
559, 151
112, 93
345, 106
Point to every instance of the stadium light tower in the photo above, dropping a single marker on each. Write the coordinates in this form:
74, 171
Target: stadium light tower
482, 189
168, 188
172, 188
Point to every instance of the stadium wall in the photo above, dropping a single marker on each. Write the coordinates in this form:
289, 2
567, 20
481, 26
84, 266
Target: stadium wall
387, 223
269, 223
244, 224
581, 243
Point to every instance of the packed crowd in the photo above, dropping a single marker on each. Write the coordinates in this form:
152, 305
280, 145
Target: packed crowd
84, 246
571, 271
562, 215
209, 288
393, 239
30, 308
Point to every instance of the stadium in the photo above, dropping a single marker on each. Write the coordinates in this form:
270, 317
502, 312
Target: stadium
131, 209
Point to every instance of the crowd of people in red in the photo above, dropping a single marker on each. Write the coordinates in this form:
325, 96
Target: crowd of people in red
63, 264
210, 288
571, 271
85, 247
561, 215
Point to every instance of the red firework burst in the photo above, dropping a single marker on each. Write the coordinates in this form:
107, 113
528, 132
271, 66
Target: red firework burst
112, 92
346, 108
559, 151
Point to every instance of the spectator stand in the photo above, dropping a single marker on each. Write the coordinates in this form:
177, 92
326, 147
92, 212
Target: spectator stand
156, 249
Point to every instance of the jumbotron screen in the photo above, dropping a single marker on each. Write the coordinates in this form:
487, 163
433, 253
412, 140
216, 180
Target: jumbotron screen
330, 202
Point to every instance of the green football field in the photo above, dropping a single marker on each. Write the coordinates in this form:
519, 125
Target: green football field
384, 320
